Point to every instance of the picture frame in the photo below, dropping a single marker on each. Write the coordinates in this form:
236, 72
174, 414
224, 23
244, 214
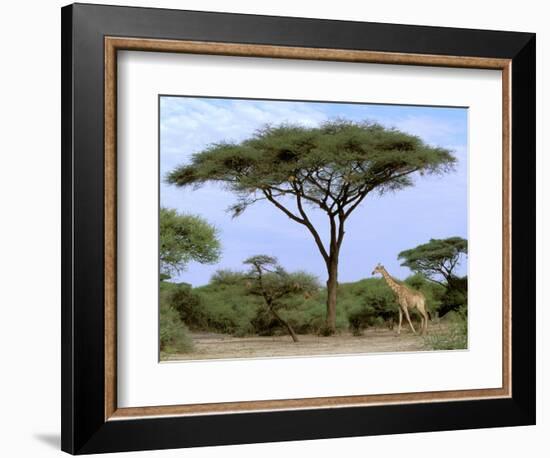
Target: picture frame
92, 35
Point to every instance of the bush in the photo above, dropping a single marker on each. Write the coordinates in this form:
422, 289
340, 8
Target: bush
455, 297
227, 277
227, 308
221, 306
368, 302
227, 305
189, 306
174, 337
307, 313
264, 324
454, 336
360, 319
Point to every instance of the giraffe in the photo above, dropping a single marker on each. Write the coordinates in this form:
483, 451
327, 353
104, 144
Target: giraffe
407, 299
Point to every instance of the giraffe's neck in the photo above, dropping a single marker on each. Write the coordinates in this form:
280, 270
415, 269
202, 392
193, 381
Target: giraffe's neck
390, 281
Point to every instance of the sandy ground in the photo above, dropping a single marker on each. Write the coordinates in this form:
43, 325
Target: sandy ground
221, 346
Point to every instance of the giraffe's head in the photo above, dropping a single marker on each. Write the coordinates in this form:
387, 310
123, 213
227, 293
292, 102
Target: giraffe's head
378, 269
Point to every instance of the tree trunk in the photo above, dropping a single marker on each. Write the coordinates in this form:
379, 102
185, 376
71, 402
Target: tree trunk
332, 291
291, 331
286, 324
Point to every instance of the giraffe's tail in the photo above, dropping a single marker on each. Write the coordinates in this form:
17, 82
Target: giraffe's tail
429, 315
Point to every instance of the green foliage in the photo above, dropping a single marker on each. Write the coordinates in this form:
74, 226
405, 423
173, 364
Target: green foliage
368, 302
331, 167
185, 238
189, 306
232, 304
437, 258
275, 286
174, 337
455, 297
454, 335
226, 304
270, 281
227, 277
229, 304
325, 164
307, 314
215, 308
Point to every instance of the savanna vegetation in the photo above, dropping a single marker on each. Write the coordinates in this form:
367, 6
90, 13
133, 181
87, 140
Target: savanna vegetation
265, 300
183, 238
331, 168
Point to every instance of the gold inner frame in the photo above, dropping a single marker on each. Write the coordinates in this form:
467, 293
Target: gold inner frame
112, 45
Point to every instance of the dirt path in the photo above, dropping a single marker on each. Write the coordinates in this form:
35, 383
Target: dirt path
221, 346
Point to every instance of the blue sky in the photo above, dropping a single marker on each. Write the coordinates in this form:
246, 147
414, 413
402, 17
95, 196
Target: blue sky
436, 207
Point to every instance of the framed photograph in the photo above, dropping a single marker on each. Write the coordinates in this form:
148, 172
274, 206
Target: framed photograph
283, 228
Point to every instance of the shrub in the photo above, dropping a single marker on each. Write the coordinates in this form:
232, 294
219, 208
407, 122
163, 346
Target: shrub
277, 287
227, 277
227, 308
264, 324
189, 306
307, 314
227, 305
174, 337
455, 297
453, 337
233, 306
217, 307
368, 302
359, 319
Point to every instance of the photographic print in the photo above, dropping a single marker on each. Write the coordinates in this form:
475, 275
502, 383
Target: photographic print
298, 228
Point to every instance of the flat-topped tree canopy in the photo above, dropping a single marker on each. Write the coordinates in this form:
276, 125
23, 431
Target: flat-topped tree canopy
332, 167
438, 257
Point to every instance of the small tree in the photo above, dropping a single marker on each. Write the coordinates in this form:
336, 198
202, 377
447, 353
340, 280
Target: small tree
437, 259
185, 238
270, 281
331, 168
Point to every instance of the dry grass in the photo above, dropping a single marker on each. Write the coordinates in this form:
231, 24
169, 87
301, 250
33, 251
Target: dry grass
221, 346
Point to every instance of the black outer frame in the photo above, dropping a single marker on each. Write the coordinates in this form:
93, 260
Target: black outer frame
84, 429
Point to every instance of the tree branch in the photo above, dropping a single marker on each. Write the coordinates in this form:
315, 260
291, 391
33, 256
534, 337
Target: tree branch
293, 192
287, 212
341, 231
437, 281
311, 228
304, 220
357, 202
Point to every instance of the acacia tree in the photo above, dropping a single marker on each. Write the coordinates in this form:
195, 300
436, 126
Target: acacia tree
332, 168
270, 281
436, 259
185, 238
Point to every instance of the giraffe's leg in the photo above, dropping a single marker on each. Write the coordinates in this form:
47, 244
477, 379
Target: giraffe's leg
400, 321
425, 314
409, 319
424, 322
